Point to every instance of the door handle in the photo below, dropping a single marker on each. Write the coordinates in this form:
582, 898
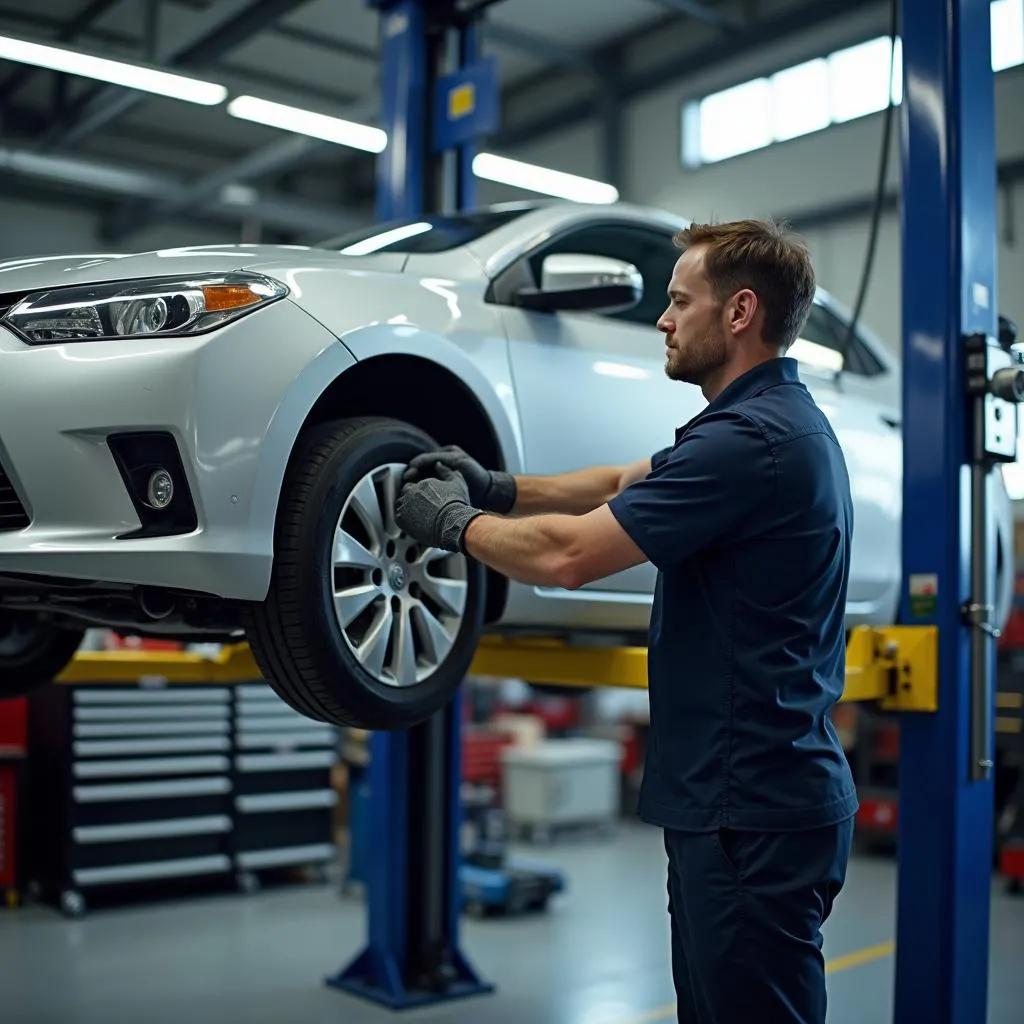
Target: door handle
890, 421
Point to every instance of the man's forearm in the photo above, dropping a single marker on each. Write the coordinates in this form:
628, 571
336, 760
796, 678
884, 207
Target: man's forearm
539, 550
574, 493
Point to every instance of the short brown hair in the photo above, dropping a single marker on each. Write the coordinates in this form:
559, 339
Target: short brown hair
768, 259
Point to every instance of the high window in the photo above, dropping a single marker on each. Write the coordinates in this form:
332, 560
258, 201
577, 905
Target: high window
847, 84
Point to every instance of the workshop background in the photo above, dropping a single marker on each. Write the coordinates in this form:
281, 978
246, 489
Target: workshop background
696, 106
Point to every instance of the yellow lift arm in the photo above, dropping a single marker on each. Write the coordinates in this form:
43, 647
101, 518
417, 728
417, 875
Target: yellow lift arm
897, 666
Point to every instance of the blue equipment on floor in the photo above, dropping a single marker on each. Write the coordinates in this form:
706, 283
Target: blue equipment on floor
490, 879
512, 888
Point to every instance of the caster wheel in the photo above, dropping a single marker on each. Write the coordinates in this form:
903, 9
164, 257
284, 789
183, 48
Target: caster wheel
248, 882
72, 903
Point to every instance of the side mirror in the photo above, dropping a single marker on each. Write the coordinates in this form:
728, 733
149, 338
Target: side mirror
591, 284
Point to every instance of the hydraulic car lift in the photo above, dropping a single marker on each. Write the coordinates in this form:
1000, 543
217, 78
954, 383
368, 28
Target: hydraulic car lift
959, 386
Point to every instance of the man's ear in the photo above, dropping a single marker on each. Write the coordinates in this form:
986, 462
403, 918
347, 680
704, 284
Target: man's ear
741, 310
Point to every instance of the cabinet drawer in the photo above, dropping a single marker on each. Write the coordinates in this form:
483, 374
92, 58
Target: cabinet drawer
271, 803
151, 766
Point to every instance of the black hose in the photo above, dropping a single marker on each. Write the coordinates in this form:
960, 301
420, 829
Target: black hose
883, 175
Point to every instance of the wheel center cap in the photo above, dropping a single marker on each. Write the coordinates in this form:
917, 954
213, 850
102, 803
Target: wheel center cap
397, 577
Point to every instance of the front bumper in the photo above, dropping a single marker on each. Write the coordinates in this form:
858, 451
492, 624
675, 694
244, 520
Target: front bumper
222, 397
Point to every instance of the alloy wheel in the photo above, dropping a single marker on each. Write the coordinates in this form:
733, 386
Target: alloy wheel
398, 605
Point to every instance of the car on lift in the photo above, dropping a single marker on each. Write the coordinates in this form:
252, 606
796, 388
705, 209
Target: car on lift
206, 443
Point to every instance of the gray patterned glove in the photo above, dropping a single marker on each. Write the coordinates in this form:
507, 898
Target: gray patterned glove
493, 491
436, 511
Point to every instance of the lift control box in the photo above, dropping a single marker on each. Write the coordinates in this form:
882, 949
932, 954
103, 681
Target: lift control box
994, 371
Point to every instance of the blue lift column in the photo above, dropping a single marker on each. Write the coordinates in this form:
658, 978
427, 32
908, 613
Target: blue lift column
437, 98
959, 388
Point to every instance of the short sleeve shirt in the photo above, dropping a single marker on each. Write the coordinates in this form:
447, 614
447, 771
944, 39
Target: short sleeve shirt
748, 519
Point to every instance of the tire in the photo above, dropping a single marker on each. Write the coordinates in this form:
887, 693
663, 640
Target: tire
296, 636
32, 652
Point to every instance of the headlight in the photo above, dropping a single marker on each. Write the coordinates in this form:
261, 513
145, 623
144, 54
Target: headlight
154, 307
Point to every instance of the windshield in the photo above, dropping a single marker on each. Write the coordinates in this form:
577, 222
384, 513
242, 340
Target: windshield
432, 233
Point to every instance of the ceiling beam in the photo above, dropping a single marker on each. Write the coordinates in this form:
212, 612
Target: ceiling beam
107, 103
70, 30
495, 32
540, 46
700, 11
340, 47
15, 21
287, 213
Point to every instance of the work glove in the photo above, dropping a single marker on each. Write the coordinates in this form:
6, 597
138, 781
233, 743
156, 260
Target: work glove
436, 510
491, 491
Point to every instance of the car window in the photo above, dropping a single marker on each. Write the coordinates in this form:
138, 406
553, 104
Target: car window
821, 344
433, 233
653, 253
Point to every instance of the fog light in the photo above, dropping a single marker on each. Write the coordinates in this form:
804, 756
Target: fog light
160, 490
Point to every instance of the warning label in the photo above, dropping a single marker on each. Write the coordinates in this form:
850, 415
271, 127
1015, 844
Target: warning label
924, 595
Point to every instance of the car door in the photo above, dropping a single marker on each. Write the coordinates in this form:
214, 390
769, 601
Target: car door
850, 388
591, 388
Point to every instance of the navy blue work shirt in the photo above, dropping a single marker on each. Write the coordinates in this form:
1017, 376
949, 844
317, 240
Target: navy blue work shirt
748, 520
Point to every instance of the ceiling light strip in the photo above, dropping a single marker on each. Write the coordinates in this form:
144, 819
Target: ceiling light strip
103, 69
308, 122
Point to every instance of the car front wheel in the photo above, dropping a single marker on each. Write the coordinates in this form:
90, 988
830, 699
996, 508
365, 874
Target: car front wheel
362, 626
32, 652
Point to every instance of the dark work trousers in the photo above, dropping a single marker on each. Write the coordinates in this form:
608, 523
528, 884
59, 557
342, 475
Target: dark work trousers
746, 911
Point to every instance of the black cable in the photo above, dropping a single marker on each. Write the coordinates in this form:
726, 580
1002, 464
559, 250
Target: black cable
883, 175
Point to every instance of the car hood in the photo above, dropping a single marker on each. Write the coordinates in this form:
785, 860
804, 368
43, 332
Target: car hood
31, 273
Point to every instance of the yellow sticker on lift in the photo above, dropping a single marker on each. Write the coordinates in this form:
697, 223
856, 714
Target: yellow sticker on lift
462, 101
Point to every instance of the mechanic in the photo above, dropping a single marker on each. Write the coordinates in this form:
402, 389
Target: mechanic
747, 517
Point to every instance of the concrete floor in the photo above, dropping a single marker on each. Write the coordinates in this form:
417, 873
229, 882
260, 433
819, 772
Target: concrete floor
599, 956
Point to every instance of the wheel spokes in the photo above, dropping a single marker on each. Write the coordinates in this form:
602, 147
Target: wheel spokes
436, 640
350, 553
450, 594
403, 663
353, 601
374, 646
391, 487
366, 505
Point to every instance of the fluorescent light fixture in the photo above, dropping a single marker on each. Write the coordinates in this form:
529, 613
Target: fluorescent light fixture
116, 72
542, 179
377, 242
307, 122
1007, 34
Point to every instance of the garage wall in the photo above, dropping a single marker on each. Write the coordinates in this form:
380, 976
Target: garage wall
47, 228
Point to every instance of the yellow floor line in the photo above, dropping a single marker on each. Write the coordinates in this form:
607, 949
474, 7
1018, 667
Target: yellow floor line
859, 957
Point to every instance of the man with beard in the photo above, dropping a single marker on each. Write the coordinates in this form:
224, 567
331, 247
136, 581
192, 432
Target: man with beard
747, 517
